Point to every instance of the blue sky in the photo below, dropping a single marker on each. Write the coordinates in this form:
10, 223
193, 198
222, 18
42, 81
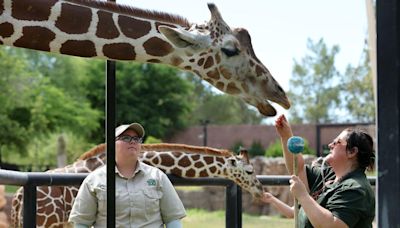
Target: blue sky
280, 28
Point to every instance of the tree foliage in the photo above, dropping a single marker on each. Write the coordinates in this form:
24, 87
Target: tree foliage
217, 108
358, 91
321, 94
313, 87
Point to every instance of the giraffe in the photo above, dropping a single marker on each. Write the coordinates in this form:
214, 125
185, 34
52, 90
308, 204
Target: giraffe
54, 203
222, 56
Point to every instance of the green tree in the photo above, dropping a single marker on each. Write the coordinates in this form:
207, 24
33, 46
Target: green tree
314, 90
43, 94
206, 102
358, 91
15, 83
155, 95
223, 109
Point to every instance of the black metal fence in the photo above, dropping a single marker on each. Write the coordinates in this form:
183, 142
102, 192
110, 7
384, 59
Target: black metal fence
29, 180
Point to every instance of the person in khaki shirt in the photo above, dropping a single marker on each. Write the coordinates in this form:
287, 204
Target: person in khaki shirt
144, 195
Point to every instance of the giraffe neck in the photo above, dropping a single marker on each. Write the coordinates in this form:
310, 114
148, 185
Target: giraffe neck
88, 29
187, 164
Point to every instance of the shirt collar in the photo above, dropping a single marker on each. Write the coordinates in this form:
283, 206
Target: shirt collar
139, 168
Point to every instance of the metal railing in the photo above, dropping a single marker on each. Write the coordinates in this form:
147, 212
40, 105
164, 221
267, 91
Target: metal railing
233, 203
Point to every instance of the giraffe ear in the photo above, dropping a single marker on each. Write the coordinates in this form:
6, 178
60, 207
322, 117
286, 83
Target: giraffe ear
183, 39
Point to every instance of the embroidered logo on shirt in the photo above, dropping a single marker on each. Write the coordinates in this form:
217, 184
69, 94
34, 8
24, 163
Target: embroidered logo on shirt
151, 182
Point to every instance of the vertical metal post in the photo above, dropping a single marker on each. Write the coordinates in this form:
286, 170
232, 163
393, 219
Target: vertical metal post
233, 217
29, 206
388, 112
205, 135
110, 140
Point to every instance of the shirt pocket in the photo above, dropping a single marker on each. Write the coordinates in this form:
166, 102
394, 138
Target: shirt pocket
102, 200
152, 200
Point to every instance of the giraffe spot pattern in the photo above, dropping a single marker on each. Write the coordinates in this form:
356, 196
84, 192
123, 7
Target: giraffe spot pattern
176, 171
198, 164
35, 37
208, 159
83, 48
156, 160
154, 61
157, 47
74, 19
214, 74
167, 159
30, 10
176, 61
120, 51
220, 86
133, 28
195, 157
200, 62
184, 162
1, 6
232, 89
226, 73
6, 29
52, 219
203, 173
105, 27
259, 71
217, 58
190, 172
213, 169
209, 62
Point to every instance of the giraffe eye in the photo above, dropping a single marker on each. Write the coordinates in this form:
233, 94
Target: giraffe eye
233, 162
230, 52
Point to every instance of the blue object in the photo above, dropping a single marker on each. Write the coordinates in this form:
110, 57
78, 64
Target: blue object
295, 144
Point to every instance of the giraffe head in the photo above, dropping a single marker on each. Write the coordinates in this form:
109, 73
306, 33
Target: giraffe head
225, 58
240, 170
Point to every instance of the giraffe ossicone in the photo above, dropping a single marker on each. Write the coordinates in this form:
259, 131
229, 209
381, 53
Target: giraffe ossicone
54, 203
222, 56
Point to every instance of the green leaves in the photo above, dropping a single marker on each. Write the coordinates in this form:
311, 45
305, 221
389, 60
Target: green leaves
321, 94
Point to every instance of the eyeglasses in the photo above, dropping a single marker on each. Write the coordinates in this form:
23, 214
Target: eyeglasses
336, 142
128, 139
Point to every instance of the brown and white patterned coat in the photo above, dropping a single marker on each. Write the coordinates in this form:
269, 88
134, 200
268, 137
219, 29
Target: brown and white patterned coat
218, 54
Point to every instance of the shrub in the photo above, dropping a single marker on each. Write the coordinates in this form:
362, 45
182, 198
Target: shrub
236, 147
275, 149
256, 149
151, 139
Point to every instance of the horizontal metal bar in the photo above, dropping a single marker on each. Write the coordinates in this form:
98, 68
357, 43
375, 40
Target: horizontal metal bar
9, 177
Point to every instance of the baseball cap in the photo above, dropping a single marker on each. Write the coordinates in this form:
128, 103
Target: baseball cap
134, 126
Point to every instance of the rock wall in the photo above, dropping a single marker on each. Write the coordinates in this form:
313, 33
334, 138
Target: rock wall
213, 197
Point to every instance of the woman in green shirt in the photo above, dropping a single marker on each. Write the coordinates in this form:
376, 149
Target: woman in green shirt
337, 192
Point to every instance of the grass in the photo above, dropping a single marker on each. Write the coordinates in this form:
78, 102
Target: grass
197, 218
12, 188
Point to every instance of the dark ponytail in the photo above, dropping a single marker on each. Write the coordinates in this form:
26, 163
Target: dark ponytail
365, 145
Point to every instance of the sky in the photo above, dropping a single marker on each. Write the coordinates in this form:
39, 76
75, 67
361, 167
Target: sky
279, 29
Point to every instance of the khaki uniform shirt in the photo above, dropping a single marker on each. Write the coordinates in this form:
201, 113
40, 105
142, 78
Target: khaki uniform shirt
146, 200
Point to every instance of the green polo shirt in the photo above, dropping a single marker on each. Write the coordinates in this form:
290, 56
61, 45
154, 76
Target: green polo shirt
146, 200
351, 200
